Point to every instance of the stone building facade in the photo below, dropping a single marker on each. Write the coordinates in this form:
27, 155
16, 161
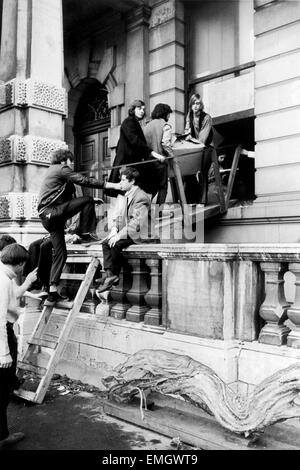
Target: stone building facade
68, 73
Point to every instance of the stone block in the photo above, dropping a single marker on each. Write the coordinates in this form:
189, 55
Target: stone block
166, 56
166, 33
277, 15
277, 179
117, 96
42, 123
277, 42
47, 42
113, 136
173, 97
277, 124
277, 152
258, 362
277, 69
107, 64
277, 96
166, 79
195, 297
230, 95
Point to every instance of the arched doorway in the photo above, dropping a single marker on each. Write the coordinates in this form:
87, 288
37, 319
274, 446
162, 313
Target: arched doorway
91, 123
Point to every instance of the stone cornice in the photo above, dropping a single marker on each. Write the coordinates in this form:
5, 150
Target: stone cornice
28, 149
137, 17
34, 93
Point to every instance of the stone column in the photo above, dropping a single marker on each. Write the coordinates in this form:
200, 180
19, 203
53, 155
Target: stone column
166, 58
136, 295
118, 294
137, 55
154, 295
293, 338
274, 308
31, 118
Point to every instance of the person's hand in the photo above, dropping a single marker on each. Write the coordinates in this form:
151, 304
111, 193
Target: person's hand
158, 156
113, 240
32, 276
6, 362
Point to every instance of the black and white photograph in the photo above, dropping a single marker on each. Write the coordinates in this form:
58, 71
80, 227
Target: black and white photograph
149, 228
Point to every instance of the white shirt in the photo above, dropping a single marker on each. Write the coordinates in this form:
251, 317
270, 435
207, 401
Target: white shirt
9, 310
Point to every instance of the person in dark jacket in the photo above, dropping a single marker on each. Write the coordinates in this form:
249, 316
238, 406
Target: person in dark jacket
132, 148
198, 129
57, 204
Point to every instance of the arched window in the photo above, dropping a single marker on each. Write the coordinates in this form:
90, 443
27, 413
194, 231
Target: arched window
93, 108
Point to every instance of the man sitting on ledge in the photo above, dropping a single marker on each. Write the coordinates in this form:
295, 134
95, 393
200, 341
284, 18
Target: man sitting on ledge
130, 225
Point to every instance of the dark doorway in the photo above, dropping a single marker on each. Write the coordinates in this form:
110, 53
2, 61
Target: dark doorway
92, 120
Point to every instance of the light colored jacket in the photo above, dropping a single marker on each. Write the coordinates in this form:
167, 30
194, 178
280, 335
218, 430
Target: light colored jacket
132, 217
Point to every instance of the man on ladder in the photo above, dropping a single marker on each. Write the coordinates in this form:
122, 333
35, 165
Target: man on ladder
56, 204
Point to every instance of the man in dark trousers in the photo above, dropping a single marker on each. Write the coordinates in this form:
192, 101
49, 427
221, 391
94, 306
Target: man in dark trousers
130, 225
57, 204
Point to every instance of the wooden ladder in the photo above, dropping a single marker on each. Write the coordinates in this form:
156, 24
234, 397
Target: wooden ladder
38, 346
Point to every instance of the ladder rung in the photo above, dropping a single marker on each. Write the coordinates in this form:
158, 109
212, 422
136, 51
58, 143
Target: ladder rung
32, 368
78, 259
43, 342
26, 394
64, 305
73, 276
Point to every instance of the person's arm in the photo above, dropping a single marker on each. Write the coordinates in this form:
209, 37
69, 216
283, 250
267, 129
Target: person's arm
30, 278
166, 140
78, 178
140, 146
205, 129
5, 357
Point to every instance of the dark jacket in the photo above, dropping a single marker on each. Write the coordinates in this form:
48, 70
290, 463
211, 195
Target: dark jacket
58, 185
132, 148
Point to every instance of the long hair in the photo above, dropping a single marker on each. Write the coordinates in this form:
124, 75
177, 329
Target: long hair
193, 98
161, 111
135, 104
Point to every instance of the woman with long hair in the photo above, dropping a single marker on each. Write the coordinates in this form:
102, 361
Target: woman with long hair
198, 129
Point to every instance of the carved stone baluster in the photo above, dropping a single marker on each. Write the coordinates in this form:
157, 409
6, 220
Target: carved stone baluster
136, 295
293, 313
154, 296
118, 294
274, 308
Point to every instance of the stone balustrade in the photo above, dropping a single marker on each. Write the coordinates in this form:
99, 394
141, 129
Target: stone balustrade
221, 292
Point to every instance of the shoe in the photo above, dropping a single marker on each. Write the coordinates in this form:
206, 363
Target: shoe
12, 439
108, 283
54, 297
90, 237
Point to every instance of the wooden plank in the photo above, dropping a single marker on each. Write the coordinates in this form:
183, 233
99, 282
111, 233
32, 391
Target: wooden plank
73, 276
234, 166
32, 368
26, 394
199, 429
170, 423
78, 259
43, 342
218, 180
